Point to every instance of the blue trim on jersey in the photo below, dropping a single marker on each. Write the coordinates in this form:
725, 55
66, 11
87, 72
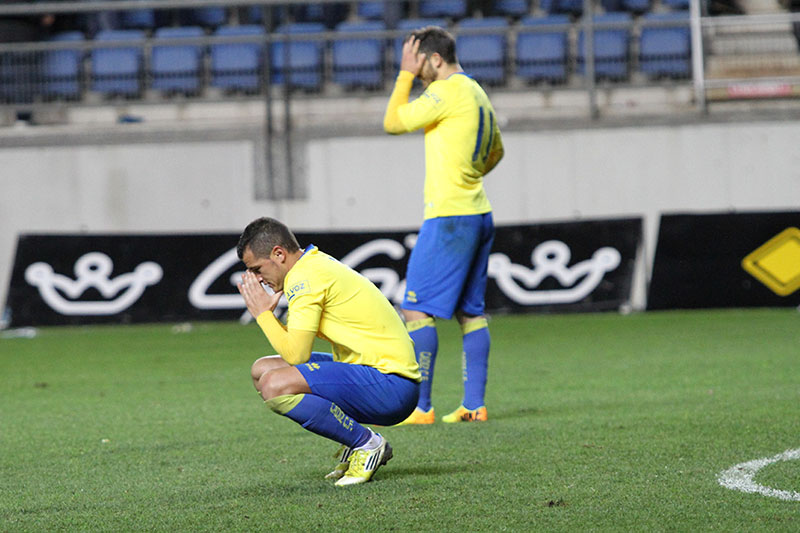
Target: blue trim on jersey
448, 267
364, 393
491, 136
479, 138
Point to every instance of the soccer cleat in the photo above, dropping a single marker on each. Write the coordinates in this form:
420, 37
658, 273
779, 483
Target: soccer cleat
418, 416
462, 414
364, 463
343, 454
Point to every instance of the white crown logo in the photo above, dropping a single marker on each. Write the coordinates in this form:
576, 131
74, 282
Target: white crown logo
551, 258
92, 270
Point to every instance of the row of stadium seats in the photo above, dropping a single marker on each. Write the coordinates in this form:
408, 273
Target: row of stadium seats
541, 53
334, 13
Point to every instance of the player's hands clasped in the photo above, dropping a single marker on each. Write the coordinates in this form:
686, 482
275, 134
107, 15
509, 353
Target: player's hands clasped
412, 60
255, 297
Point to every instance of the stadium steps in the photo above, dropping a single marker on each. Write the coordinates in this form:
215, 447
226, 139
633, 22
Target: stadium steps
752, 51
753, 66
760, 7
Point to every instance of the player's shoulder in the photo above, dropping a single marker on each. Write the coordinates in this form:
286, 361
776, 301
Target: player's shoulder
314, 260
310, 274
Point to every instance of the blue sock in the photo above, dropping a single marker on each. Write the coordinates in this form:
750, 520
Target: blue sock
322, 417
476, 362
426, 344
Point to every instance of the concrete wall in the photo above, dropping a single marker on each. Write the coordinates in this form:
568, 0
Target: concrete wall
376, 181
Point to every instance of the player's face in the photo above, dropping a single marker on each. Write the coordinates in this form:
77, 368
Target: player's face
428, 73
268, 271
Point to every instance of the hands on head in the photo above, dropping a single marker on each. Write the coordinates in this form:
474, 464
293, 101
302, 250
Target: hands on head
412, 60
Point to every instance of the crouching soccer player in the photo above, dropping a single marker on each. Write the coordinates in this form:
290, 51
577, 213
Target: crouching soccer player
371, 377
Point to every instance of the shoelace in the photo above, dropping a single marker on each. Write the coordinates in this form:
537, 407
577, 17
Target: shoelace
357, 460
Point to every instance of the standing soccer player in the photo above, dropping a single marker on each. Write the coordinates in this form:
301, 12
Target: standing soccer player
371, 377
448, 266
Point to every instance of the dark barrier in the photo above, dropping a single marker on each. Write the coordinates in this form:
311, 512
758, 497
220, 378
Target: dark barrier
79, 279
726, 260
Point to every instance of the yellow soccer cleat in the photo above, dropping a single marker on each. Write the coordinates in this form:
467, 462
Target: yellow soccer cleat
343, 454
364, 463
418, 416
462, 414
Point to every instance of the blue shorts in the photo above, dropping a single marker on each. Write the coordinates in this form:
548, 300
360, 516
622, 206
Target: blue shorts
364, 393
448, 266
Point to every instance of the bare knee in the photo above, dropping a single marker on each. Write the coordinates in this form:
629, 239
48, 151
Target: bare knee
411, 315
282, 381
263, 365
271, 385
464, 318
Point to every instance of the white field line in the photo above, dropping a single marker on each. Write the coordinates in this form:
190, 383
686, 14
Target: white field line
740, 477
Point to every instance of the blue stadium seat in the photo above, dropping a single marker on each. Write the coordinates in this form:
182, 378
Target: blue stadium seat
255, 14
665, 50
443, 8
610, 47
118, 71
483, 57
208, 17
676, 4
511, 8
407, 25
358, 62
305, 58
138, 19
308, 12
612, 5
61, 68
176, 68
555, 7
237, 66
18, 75
636, 7
542, 55
330, 13
371, 9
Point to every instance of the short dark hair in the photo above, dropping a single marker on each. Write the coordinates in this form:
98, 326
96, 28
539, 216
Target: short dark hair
263, 234
433, 39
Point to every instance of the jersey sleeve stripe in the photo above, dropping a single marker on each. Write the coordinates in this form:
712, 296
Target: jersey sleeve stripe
480, 134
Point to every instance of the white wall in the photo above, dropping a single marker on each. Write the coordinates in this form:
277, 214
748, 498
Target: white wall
376, 181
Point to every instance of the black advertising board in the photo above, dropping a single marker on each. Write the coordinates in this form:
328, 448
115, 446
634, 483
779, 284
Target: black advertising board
726, 260
566, 266
91, 279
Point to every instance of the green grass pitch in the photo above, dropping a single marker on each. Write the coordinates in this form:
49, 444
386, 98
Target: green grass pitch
597, 422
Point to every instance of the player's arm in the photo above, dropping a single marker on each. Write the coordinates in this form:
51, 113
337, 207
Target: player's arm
496, 152
411, 116
402, 89
293, 345
401, 115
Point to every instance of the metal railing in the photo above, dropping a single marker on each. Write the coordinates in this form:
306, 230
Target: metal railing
38, 74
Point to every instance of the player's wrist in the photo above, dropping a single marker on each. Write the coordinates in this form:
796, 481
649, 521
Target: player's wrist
265, 316
405, 75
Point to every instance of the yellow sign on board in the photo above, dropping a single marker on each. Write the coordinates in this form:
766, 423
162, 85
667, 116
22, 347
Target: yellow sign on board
776, 263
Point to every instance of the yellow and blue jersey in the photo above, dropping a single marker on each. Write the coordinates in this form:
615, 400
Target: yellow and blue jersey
462, 141
346, 309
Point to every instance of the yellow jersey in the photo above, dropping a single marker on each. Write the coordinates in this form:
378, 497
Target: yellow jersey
345, 308
462, 140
